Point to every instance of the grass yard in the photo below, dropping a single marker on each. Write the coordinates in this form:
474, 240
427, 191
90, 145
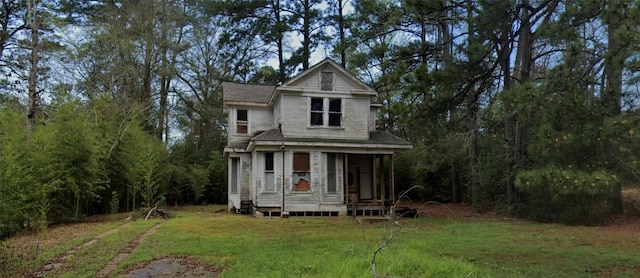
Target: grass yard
341, 247
23, 254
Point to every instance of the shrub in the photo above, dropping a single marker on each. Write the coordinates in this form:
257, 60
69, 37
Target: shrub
114, 204
570, 196
631, 201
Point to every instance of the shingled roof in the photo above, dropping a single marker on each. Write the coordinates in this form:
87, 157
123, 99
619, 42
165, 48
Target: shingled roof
375, 138
242, 92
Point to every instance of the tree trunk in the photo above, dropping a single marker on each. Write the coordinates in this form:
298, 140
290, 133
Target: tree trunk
163, 110
472, 114
145, 96
34, 26
504, 59
279, 33
445, 44
612, 97
342, 46
306, 33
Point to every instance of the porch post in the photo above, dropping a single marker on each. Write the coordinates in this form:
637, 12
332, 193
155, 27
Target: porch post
375, 179
283, 149
382, 185
345, 177
391, 183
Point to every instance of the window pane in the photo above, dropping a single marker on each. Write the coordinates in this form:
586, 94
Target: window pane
303, 183
326, 81
301, 162
233, 184
316, 118
269, 182
334, 119
242, 115
335, 105
317, 104
241, 128
268, 161
331, 173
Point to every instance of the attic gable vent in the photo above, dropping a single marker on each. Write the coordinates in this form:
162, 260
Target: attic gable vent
326, 81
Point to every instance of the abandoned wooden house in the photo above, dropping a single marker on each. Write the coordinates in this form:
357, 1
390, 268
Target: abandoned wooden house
308, 147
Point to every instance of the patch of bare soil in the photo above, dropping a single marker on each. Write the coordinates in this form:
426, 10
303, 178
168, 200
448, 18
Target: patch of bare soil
59, 261
108, 269
173, 267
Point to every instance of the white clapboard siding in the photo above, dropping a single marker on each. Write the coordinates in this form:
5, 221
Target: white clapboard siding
296, 119
245, 178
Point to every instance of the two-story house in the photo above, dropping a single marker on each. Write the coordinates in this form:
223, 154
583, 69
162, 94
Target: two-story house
308, 147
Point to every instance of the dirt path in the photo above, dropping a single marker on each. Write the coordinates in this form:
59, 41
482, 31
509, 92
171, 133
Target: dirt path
108, 269
59, 261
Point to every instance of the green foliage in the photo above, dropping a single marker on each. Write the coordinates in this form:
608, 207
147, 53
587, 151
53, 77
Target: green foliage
427, 166
17, 184
114, 204
489, 192
140, 157
198, 178
67, 157
568, 195
216, 191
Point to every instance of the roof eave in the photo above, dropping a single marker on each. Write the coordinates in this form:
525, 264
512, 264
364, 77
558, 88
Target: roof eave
245, 103
365, 146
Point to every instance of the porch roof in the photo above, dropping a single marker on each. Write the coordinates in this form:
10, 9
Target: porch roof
377, 140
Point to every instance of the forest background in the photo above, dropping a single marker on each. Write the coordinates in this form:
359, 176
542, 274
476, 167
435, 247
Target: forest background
526, 107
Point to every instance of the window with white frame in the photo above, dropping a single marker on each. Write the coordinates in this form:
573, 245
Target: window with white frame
325, 112
317, 111
335, 111
269, 173
332, 184
301, 172
233, 184
242, 121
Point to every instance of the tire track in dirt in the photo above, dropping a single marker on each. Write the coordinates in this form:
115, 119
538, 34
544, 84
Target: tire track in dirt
111, 265
57, 262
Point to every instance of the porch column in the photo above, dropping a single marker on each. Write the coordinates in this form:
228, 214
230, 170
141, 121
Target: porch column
382, 185
375, 178
345, 177
391, 183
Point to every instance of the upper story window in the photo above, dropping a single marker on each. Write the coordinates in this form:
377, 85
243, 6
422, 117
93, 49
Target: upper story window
326, 112
326, 81
242, 121
317, 111
335, 111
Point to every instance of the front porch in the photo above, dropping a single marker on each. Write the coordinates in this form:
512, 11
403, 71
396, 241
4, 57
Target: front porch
363, 187
370, 187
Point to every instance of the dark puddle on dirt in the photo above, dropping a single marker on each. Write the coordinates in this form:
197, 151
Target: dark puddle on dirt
173, 267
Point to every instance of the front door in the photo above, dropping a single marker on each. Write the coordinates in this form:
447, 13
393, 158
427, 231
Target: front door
359, 181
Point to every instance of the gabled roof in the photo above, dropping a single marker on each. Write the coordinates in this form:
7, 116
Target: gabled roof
335, 66
238, 93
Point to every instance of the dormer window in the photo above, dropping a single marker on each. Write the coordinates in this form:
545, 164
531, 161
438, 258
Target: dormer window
242, 121
326, 81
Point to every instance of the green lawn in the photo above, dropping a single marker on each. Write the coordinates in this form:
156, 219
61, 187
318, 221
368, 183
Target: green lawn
342, 247
425, 247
